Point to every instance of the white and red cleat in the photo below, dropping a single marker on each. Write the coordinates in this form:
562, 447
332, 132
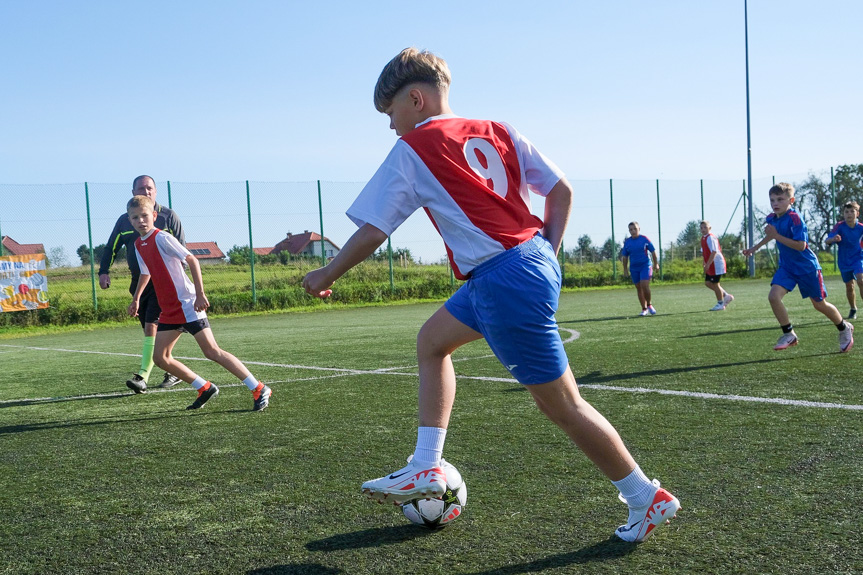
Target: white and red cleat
406, 484
643, 521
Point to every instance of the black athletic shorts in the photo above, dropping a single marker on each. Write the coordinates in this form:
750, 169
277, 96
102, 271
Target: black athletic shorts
192, 327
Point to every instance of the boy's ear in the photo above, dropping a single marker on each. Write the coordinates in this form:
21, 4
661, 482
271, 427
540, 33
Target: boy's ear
417, 99
791, 200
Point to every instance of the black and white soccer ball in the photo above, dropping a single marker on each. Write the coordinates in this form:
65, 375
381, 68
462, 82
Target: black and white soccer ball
439, 512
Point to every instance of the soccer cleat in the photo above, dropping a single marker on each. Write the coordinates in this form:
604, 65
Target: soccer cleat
261, 395
169, 381
643, 521
406, 484
718, 307
786, 341
727, 299
852, 314
643, 313
137, 384
651, 310
846, 338
204, 396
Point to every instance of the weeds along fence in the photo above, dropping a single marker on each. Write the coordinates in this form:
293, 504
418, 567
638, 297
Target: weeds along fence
71, 221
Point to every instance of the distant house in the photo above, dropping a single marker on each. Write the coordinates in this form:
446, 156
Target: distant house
206, 252
13, 248
306, 244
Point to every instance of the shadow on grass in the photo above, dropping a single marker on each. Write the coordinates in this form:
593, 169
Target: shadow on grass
298, 569
611, 548
43, 400
377, 537
25, 427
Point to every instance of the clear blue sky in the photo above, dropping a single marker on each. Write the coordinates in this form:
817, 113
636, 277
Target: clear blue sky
212, 91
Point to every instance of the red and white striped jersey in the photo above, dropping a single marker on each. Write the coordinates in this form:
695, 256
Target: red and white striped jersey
710, 244
472, 177
161, 257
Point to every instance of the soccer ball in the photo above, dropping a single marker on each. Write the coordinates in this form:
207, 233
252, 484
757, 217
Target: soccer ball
439, 512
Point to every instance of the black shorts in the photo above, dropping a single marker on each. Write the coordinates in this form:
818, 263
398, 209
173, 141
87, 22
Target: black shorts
712, 279
192, 327
148, 308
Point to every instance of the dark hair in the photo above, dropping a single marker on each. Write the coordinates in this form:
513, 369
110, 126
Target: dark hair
139, 178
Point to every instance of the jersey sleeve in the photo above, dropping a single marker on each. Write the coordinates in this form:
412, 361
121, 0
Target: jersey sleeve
541, 174
712, 244
834, 231
115, 242
389, 198
172, 246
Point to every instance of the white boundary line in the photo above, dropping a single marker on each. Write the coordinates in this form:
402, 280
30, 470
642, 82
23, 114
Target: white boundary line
340, 372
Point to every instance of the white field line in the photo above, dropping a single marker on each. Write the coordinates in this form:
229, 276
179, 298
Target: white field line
398, 371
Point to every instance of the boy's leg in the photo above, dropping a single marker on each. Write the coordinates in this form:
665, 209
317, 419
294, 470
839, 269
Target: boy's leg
213, 352
165, 341
777, 292
828, 309
650, 506
851, 294
714, 287
846, 330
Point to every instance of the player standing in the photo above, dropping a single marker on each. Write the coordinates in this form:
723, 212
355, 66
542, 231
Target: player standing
714, 266
636, 254
848, 234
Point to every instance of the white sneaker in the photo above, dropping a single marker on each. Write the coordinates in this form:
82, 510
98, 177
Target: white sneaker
727, 299
789, 339
651, 310
643, 313
406, 484
846, 338
718, 307
643, 521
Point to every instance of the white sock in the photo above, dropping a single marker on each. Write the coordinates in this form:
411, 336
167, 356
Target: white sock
429, 446
199, 382
636, 488
251, 382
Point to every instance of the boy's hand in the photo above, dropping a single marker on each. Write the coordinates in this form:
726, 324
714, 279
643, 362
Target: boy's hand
835, 239
201, 302
316, 283
133, 308
770, 232
104, 281
747, 252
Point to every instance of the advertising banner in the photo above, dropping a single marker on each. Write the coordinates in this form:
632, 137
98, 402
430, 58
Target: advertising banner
23, 282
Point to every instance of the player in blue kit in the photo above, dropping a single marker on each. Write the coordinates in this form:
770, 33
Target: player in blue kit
848, 234
798, 266
637, 253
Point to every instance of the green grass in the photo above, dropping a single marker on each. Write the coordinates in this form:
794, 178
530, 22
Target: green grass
96, 480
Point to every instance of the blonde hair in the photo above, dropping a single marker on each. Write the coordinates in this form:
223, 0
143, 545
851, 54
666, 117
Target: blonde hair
782, 189
411, 65
140, 202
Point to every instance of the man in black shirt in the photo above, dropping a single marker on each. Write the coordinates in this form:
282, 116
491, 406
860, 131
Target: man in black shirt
148, 313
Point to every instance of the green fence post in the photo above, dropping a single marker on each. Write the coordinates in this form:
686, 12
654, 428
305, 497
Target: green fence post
613, 243
833, 201
390, 258
251, 245
659, 230
90, 239
170, 207
321, 216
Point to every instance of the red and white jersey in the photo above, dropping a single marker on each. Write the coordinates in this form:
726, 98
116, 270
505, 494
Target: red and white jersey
472, 177
709, 245
161, 257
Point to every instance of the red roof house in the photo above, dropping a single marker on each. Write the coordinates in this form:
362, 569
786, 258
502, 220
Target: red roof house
206, 252
11, 247
306, 244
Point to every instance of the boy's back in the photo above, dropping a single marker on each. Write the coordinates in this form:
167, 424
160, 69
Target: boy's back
473, 178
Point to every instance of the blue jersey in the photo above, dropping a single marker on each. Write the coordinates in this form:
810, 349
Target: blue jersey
790, 225
850, 253
636, 249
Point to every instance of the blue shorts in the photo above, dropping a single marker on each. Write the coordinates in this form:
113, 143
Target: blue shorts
811, 284
849, 275
511, 300
641, 273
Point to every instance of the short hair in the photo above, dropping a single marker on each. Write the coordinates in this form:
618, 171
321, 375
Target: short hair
782, 189
705, 222
140, 202
851, 204
411, 65
633, 224
141, 177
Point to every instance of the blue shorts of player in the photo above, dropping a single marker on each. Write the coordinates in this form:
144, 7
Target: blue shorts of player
811, 283
849, 275
192, 327
641, 274
511, 300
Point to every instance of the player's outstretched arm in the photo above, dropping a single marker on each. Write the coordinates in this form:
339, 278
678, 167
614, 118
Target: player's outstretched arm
361, 245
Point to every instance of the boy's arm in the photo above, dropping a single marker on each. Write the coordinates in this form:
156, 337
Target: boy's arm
772, 234
361, 245
112, 246
143, 280
625, 260
655, 260
558, 204
201, 301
